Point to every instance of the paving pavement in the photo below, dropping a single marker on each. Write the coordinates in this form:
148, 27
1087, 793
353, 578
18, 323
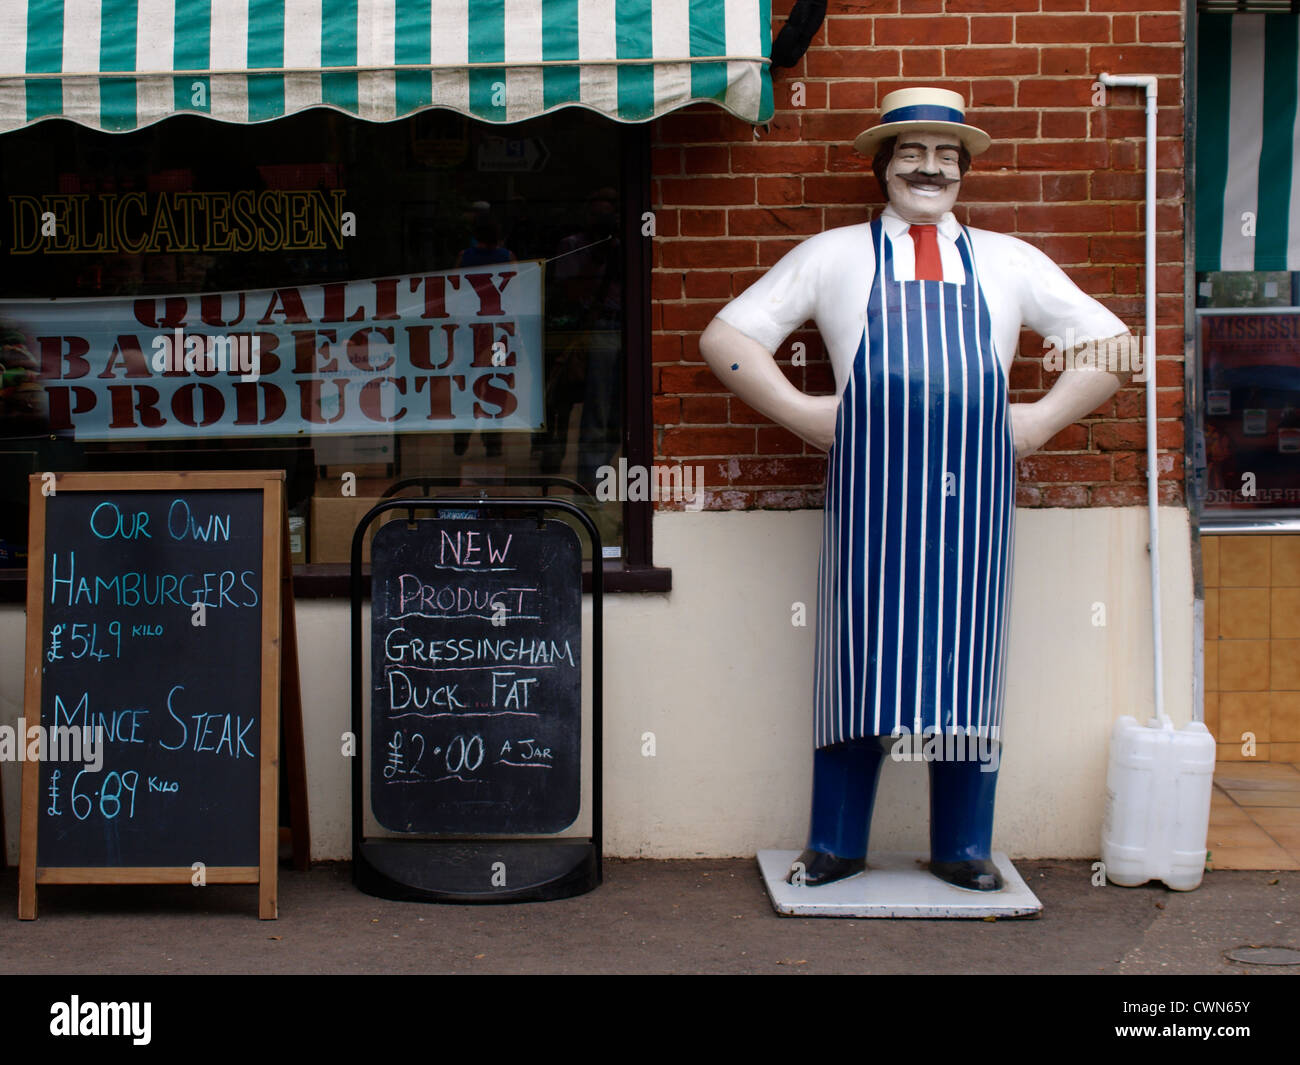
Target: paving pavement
662, 917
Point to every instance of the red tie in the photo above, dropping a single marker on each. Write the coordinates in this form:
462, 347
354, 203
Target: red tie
929, 267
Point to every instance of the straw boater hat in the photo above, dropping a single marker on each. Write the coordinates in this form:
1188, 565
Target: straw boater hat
931, 110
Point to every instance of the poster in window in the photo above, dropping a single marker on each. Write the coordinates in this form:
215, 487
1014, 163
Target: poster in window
451, 350
1251, 388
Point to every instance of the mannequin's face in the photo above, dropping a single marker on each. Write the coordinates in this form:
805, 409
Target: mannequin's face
923, 177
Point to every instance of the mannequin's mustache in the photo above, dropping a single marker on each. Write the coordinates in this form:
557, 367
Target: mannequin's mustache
916, 178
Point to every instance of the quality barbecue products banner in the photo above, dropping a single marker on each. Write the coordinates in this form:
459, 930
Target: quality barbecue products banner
448, 350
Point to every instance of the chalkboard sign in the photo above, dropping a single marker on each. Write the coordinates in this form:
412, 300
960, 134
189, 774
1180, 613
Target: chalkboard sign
476, 678
153, 624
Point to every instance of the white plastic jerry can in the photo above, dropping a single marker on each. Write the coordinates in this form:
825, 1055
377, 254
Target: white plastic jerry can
1158, 788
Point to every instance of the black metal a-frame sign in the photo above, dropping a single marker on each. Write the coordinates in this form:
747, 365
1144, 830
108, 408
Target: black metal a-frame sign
473, 755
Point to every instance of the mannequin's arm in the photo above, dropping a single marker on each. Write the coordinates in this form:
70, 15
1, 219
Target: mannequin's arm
1076, 393
750, 371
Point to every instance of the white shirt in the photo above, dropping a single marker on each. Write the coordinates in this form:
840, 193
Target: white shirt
828, 278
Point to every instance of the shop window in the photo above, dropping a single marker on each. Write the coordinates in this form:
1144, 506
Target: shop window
1248, 350
306, 208
1248, 288
1245, 399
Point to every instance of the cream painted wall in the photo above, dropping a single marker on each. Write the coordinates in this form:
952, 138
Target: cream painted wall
720, 676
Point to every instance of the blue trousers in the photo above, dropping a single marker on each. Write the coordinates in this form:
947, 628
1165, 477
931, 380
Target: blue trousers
845, 776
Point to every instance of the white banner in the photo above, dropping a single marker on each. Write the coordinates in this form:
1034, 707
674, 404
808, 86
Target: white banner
453, 350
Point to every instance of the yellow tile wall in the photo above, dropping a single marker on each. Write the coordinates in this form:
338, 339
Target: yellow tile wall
1252, 644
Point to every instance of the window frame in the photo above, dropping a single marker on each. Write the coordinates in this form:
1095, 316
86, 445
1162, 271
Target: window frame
634, 571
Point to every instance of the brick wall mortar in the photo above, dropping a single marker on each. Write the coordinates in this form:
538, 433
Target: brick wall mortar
1062, 174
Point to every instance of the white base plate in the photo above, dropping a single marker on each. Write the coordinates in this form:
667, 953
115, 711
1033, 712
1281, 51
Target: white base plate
895, 885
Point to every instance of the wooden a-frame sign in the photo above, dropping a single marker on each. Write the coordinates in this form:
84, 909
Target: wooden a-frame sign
160, 611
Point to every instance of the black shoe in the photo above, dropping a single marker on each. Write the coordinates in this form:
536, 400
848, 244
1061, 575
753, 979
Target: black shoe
822, 868
978, 874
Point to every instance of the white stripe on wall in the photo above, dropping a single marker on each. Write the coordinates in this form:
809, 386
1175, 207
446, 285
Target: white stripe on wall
1245, 136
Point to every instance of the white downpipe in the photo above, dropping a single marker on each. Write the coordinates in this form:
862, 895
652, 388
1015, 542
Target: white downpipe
1148, 82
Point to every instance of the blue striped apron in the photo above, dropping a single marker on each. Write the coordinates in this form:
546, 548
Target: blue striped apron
914, 581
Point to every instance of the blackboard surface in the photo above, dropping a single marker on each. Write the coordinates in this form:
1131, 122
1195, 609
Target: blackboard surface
476, 679
179, 703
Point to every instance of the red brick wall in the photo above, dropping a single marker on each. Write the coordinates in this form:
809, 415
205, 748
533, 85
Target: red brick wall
1062, 174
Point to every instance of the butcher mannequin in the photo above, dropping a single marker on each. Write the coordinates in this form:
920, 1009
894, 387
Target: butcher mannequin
920, 316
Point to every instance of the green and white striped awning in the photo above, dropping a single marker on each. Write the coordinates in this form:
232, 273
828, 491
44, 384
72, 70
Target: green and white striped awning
1247, 142
122, 64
